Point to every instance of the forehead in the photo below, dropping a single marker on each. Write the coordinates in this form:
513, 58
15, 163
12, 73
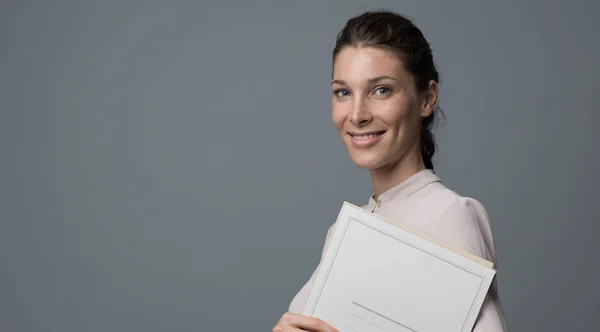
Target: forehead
356, 64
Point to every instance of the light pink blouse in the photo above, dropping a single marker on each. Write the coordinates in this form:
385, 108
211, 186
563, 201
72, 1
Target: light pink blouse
423, 203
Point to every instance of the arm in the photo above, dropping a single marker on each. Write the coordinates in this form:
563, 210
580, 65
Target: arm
465, 225
299, 300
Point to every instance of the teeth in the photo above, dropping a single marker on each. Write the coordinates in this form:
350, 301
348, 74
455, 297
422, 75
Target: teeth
364, 137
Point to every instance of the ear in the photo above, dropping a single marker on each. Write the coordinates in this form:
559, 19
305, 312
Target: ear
430, 98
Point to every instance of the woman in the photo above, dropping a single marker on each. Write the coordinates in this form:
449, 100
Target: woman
385, 92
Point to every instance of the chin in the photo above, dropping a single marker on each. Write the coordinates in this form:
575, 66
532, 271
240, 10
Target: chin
366, 160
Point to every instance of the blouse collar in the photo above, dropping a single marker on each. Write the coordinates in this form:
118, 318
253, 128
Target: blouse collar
404, 189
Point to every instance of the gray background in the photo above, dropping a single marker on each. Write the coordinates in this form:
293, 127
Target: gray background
172, 166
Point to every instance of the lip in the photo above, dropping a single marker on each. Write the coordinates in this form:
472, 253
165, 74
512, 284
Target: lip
365, 143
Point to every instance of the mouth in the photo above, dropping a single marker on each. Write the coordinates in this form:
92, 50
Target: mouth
366, 139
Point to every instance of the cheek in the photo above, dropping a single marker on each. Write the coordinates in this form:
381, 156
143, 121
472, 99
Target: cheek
396, 114
338, 115
407, 123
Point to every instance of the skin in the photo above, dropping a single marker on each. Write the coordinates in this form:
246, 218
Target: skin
363, 103
291, 322
373, 93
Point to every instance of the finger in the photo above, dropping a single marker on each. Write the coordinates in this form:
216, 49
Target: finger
288, 323
287, 328
308, 323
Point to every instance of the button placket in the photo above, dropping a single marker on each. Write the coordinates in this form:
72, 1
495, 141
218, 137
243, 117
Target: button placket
377, 206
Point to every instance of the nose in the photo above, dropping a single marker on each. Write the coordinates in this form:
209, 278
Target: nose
361, 114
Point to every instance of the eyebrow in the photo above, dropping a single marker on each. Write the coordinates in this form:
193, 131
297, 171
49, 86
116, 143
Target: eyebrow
372, 80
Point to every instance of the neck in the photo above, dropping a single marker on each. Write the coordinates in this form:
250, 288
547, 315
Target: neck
388, 176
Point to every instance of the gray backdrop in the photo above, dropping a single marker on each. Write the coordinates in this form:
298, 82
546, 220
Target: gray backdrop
172, 166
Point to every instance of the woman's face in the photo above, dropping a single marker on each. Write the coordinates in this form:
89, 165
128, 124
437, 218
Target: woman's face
376, 108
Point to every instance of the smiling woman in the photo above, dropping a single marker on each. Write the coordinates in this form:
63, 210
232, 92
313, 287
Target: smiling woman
384, 103
378, 109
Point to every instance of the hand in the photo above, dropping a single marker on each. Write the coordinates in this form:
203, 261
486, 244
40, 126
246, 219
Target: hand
290, 322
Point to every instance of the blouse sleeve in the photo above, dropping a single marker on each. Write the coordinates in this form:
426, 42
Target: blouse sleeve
465, 224
299, 300
324, 250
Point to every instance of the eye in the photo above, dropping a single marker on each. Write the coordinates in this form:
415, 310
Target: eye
340, 93
382, 91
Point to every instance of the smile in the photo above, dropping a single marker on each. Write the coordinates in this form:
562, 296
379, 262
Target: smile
364, 140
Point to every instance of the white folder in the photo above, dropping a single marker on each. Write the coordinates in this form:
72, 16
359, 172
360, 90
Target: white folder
379, 277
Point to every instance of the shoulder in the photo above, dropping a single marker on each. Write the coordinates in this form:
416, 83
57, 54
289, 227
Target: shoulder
462, 222
454, 207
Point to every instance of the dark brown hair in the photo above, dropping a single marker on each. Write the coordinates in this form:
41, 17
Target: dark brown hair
396, 33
